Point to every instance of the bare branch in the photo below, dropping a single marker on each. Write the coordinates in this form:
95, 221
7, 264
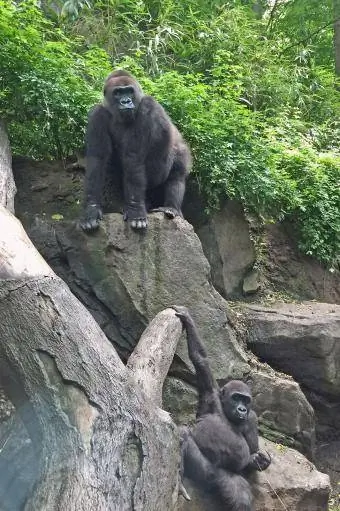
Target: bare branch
152, 357
18, 257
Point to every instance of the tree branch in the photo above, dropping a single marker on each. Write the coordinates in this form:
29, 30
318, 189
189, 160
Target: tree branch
152, 357
7, 185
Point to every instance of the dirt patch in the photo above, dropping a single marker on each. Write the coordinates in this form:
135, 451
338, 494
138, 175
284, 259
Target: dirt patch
47, 189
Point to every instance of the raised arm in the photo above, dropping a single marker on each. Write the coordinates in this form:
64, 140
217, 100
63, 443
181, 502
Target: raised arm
209, 400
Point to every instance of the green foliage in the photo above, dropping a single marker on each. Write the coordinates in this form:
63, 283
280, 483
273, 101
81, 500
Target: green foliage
238, 156
254, 96
47, 86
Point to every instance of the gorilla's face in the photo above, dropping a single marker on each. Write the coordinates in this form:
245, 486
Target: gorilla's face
236, 401
122, 96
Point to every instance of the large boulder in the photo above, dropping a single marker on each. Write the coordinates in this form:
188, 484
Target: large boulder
288, 270
303, 339
125, 278
227, 245
291, 482
300, 339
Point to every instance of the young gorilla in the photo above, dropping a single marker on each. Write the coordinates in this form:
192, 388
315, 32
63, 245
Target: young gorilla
222, 447
131, 136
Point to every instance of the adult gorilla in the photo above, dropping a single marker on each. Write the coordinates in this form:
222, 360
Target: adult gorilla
221, 449
131, 136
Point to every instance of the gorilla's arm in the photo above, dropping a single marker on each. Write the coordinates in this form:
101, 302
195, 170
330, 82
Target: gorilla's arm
250, 432
258, 460
98, 153
209, 401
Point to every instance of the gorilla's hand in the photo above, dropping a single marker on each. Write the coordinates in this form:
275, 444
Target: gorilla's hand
260, 461
168, 211
183, 314
91, 217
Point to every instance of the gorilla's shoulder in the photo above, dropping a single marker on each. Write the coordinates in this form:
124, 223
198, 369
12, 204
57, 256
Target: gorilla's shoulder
98, 111
150, 104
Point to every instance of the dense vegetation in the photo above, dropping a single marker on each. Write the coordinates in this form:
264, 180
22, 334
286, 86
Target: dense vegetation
252, 85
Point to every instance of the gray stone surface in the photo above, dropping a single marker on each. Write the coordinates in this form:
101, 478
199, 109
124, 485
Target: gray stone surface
251, 283
300, 339
228, 248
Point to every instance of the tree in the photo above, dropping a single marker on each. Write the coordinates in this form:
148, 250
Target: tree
100, 437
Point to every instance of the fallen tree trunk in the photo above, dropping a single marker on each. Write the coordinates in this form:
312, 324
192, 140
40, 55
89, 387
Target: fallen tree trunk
100, 440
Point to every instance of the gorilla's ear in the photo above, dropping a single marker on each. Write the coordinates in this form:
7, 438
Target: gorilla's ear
222, 392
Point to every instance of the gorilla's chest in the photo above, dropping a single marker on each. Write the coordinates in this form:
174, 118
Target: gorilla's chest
221, 442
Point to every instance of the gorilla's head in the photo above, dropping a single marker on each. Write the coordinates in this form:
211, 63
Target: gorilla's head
122, 95
236, 400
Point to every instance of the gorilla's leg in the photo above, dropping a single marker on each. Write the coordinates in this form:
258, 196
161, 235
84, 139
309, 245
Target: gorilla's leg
234, 491
174, 188
193, 463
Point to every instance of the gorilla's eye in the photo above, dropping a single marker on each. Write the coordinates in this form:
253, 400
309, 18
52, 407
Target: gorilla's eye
122, 91
237, 398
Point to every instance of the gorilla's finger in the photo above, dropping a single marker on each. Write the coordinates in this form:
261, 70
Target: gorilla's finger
170, 213
88, 226
182, 491
133, 224
94, 224
269, 456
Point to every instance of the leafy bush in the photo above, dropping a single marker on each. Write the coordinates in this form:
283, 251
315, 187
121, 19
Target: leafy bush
47, 86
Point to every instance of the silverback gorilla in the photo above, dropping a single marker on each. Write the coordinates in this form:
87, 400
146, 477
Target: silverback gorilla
131, 136
221, 449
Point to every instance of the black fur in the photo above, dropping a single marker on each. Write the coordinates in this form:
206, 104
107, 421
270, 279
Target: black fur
221, 449
131, 136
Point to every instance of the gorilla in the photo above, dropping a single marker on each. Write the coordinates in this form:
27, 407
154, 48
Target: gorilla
221, 449
132, 137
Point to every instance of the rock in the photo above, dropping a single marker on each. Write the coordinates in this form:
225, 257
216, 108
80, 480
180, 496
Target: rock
303, 340
300, 339
228, 248
125, 278
251, 283
290, 271
181, 399
277, 400
291, 482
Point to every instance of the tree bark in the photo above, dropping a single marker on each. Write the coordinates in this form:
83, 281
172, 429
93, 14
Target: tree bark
99, 438
152, 357
7, 185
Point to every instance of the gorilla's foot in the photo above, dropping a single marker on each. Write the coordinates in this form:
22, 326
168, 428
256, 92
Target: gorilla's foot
91, 217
